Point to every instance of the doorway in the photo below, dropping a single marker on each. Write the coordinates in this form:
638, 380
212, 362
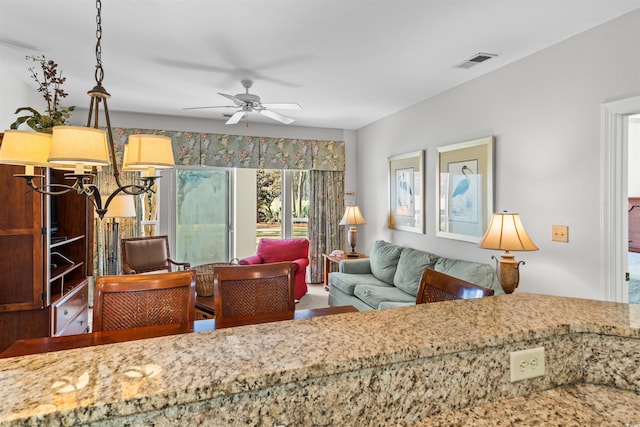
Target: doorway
614, 235
633, 190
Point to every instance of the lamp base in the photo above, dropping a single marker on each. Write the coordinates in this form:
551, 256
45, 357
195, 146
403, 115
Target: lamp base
508, 271
352, 237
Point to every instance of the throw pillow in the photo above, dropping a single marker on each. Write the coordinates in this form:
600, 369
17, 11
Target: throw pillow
411, 265
384, 260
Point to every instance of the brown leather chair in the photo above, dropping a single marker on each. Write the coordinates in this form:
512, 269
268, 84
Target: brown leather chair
248, 294
133, 301
146, 254
436, 286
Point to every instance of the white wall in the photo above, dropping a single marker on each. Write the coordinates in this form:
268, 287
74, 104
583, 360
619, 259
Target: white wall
544, 111
14, 93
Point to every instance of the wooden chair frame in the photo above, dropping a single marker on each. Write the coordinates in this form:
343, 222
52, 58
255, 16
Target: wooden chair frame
436, 286
134, 301
248, 294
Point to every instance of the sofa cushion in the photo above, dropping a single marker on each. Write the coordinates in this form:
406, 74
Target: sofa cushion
384, 260
474, 272
394, 304
411, 264
347, 282
373, 295
277, 250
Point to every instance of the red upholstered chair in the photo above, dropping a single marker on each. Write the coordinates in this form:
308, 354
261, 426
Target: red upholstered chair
276, 250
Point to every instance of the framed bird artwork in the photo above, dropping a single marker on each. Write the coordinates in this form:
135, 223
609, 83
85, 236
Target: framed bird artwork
406, 192
465, 189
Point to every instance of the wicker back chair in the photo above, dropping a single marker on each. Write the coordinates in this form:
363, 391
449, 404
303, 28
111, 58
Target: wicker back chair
133, 301
436, 286
248, 294
146, 254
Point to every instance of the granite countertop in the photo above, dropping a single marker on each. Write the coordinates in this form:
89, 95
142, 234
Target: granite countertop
104, 380
577, 405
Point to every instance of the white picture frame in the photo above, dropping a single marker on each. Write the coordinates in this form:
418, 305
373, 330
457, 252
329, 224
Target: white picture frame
464, 194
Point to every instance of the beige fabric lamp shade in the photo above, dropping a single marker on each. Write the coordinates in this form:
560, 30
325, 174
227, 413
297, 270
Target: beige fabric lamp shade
352, 216
146, 152
25, 148
80, 146
121, 206
506, 232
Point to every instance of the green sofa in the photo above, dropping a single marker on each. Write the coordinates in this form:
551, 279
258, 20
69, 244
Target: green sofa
390, 277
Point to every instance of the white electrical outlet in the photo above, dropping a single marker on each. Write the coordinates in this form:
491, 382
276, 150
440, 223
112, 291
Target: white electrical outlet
527, 364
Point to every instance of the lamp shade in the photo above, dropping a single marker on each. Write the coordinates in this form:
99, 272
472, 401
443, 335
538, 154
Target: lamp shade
121, 206
148, 151
352, 216
79, 146
506, 232
21, 147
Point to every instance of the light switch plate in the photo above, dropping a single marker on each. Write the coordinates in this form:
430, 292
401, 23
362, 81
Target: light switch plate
560, 233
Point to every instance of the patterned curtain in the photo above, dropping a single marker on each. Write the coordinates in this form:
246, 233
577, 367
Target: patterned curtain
327, 192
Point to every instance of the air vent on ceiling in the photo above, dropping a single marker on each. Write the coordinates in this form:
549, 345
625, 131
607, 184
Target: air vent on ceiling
476, 59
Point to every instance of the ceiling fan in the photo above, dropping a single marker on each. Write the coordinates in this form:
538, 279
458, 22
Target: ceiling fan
249, 102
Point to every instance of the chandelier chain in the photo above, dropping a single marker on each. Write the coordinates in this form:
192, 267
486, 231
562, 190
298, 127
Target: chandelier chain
99, 71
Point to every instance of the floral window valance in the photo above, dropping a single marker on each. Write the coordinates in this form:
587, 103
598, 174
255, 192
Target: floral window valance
206, 149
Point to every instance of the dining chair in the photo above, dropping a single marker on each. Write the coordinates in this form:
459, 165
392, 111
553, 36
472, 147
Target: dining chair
436, 286
147, 254
133, 301
248, 294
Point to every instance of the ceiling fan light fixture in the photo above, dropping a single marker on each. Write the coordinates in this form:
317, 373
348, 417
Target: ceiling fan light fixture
249, 102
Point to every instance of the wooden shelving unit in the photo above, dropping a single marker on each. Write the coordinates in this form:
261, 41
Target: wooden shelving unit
45, 256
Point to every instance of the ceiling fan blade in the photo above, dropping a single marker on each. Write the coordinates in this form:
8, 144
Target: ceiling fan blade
276, 116
235, 118
238, 101
213, 106
282, 105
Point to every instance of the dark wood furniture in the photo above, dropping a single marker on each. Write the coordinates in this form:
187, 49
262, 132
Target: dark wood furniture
634, 224
146, 254
258, 293
204, 307
333, 260
48, 344
436, 286
133, 301
45, 254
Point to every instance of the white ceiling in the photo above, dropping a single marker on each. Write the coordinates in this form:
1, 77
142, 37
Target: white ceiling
347, 62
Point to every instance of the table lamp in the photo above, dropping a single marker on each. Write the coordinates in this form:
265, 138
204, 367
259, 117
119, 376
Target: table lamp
352, 216
122, 206
506, 232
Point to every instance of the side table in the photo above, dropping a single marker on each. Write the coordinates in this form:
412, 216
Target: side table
330, 260
204, 308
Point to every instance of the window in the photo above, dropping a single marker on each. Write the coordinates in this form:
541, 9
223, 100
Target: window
202, 215
278, 216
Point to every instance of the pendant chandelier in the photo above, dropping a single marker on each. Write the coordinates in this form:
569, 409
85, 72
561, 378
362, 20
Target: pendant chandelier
84, 150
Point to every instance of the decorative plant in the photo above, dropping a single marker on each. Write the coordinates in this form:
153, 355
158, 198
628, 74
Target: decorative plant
51, 88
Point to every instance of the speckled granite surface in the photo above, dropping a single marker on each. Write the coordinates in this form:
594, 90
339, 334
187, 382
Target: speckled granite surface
579, 405
372, 368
